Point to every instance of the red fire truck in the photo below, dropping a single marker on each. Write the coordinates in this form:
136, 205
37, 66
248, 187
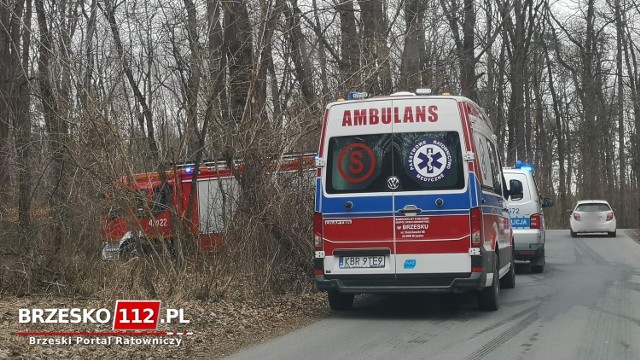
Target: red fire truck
147, 213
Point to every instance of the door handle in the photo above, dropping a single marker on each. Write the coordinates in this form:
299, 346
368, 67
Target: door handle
410, 209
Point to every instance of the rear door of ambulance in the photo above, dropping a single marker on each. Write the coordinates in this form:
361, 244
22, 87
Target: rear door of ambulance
356, 206
432, 201
394, 197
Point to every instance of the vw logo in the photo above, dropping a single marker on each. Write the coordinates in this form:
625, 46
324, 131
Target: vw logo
393, 183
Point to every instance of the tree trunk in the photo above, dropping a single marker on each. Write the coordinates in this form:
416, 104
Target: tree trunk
376, 62
590, 164
322, 57
562, 187
300, 53
10, 78
23, 131
193, 81
238, 39
622, 161
414, 52
465, 45
56, 128
349, 48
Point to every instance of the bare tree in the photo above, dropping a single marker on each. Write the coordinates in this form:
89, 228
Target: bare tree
463, 18
12, 79
56, 126
414, 53
620, 107
349, 48
376, 58
238, 42
300, 54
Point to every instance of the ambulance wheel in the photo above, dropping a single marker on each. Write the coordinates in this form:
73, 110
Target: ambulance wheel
339, 301
489, 298
612, 234
573, 234
508, 281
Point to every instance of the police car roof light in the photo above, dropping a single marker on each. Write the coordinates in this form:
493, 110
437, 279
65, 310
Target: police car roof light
524, 166
355, 95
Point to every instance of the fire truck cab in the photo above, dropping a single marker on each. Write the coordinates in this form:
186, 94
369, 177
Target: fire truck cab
410, 197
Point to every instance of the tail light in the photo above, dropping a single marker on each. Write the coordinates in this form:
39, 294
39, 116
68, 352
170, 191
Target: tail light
317, 231
476, 226
535, 221
610, 215
576, 216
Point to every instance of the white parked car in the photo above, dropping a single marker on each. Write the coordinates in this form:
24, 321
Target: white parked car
593, 216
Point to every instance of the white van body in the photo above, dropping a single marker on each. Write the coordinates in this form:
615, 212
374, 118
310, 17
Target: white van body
410, 197
527, 219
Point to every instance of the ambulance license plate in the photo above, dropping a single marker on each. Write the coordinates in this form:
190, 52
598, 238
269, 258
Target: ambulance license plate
351, 262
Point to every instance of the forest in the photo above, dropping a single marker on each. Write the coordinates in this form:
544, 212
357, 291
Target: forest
93, 90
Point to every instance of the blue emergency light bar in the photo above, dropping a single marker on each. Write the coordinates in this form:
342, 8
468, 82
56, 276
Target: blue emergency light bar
524, 166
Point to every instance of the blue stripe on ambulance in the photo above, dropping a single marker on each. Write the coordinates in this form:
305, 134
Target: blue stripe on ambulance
382, 204
473, 185
318, 193
379, 205
427, 202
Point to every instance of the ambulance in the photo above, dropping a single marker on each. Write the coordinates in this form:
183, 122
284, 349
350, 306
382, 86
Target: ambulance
410, 198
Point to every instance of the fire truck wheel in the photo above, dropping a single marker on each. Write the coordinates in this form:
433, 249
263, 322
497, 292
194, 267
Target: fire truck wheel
339, 301
128, 250
489, 298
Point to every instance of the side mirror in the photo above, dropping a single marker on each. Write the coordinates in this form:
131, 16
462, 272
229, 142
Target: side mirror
515, 189
547, 202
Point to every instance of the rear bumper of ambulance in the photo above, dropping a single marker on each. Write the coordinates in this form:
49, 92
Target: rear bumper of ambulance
403, 283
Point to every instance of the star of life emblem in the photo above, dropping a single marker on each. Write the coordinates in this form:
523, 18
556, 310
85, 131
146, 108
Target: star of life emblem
429, 160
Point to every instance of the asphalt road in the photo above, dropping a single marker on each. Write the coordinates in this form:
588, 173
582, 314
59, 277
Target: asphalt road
586, 305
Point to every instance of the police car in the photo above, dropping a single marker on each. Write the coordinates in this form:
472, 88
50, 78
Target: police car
527, 216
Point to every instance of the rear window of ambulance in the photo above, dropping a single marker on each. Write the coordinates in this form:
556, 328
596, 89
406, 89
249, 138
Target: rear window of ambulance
420, 161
